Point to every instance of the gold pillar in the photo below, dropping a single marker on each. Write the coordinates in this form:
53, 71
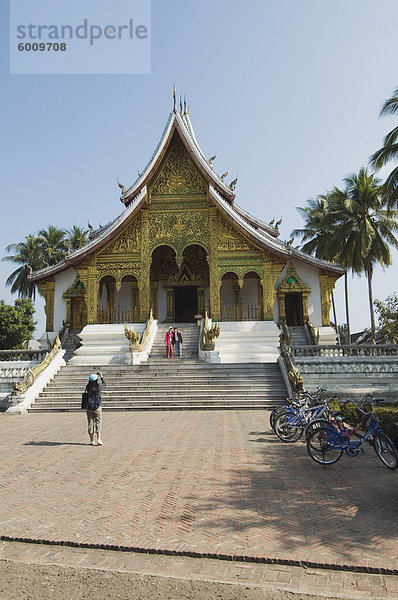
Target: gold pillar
92, 295
282, 307
215, 283
46, 290
237, 307
327, 286
271, 275
144, 283
68, 315
304, 301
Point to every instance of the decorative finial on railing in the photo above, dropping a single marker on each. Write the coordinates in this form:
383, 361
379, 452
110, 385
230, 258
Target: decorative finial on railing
174, 99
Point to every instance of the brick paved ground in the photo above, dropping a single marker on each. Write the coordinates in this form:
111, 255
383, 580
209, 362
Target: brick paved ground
210, 482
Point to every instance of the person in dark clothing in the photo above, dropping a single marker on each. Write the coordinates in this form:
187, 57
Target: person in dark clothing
178, 342
94, 409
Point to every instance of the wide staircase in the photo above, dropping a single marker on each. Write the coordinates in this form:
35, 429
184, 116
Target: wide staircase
190, 341
168, 384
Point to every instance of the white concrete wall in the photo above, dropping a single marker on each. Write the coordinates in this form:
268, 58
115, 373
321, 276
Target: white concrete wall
309, 275
63, 281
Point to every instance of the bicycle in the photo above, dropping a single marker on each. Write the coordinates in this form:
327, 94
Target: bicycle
290, 424
327, 443
302, 399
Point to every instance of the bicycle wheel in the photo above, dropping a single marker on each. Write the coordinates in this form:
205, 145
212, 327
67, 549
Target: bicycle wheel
315, 424
321, 445
385, 450
288, 427
274, 414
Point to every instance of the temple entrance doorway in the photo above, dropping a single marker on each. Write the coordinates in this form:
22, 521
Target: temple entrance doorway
294, 309
185, 304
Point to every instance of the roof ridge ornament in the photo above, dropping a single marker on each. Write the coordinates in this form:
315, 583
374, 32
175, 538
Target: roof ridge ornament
122, 187
223, 176
210, 161
180, 105
233, 183
174, 100
185, 104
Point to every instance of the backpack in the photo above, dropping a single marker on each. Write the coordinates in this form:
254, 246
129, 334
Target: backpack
93, 402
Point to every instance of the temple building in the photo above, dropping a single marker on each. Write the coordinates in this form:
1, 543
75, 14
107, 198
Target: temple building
183, 246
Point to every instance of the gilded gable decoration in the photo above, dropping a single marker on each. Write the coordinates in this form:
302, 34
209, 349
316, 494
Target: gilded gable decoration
129, 241
292, 282
230, 239
178, 175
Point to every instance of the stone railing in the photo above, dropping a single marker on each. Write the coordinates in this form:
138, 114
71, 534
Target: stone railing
328, 351
31, 375
140, 349
290, 371
24, 392
27, 355
249, 312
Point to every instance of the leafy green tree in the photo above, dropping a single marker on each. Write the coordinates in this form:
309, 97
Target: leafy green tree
16, 323
388, 317
29, 255
389, 151
363, 227
53, 244
77, 237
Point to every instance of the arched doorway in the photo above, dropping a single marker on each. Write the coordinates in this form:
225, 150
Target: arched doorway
179, 285
230, 297
251, 297
118, 303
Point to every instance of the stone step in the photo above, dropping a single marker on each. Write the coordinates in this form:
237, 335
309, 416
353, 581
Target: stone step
266, 406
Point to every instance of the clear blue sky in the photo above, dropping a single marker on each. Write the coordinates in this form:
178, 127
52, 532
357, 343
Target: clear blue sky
286, 92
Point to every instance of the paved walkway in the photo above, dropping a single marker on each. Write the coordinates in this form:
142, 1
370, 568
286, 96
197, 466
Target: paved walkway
207, 483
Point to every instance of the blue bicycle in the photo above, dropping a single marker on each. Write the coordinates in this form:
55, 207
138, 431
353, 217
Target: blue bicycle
327, 442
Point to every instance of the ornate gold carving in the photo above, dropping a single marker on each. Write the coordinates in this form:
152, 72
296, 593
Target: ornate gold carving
28, 380
229, 239
179, 229
178, 174
327, 283
129, 241
46, 289
292, 283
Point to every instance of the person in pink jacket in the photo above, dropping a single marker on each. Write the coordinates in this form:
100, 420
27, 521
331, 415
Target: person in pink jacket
168, 341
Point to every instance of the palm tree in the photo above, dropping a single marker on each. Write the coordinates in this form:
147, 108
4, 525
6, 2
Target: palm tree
363, 227
53, 244
389, 151
29, 255
76, 238
316, 235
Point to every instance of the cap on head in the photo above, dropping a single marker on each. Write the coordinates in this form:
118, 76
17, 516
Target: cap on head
93, 377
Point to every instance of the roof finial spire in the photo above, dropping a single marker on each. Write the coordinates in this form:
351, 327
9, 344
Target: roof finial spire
180, 105
174, 99
185, 104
